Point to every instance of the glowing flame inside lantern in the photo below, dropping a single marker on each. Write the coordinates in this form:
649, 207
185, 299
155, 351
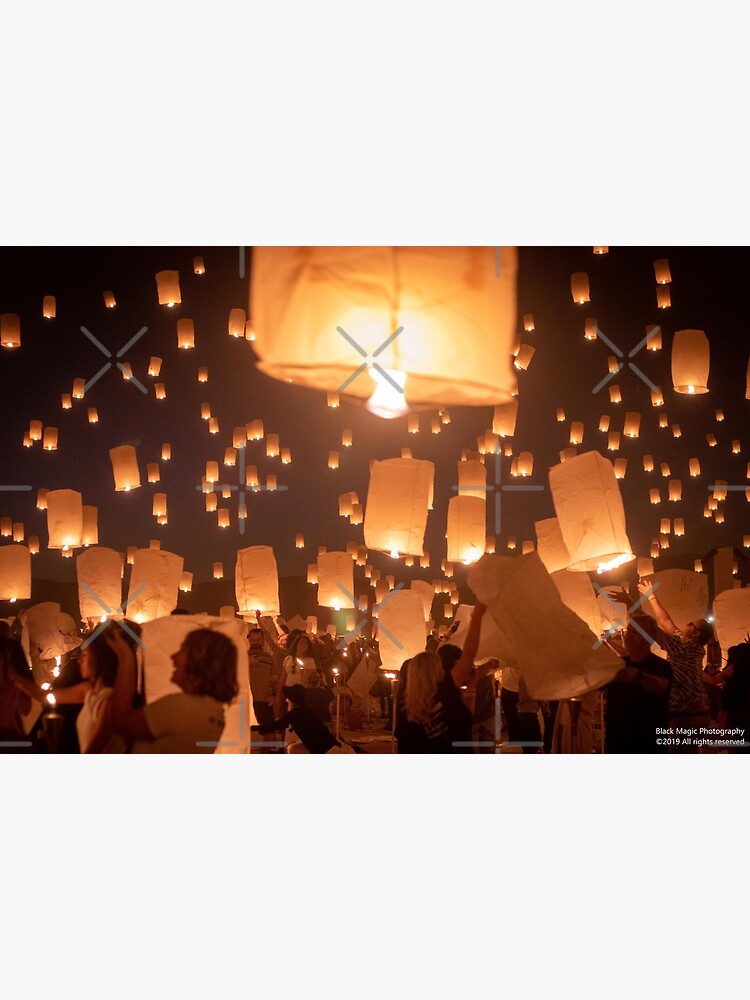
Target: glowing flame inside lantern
51, 699
386, 401
614, 563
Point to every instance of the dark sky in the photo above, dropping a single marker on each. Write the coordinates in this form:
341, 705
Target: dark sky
708, 291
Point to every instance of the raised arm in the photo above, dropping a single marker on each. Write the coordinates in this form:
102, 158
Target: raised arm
73, 695
462, 671
663, 620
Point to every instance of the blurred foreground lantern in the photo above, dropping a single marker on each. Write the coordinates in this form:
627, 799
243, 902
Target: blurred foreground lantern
256, 580
154, 581
731, 616
125, 468
690, 362
455, 319
10, 330
579, 287
335, 571
467, 517
397, 503
99, 572
168, 288
64, 519
591, 514
15, 573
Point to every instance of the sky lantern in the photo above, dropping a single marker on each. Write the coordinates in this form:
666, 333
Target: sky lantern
79, 385
15, 573
166, 452
33, 543
679, 526
212, 472
662, 272
299, 540
690, 362
67, 402
525, 464
591, 327
160, 390
10, 330
346, 439
524, 356
198, 266
212, 503
90, 526
663, 298
109, 299
203, 374
332, 399
613, 441
675, 490
49, 441
654, 496
159, 505
6, 527
653, 336
168, 288
576, 432
154, 367
152, 472
333, 460
397, 505
747, 380
620, 467
528, 322
230, 457
93, 415
125, 468
222, 517
236, 323
615, 396
18, 531
467, 528
736, 447
711, 440
665, 526
256, 580
35, 430
550, 545
272, 445
218, 570
255, 430
412, 423
560, 415
663, 421
695, 467
591, 514
271, 481
41, 499
213, 425
579, 287
205, 411
601, 250
64, 519
335, 570
186, 582
49, 307
185, 334
472, 479
568, 453
439, 321
657, 397
604, 422
401, 632
154, 583
99, 573
665, 470
239, 436
632, 427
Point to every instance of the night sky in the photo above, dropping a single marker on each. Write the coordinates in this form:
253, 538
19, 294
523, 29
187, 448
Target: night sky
707, 291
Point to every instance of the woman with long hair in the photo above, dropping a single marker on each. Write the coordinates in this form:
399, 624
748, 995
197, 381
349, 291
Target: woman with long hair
205, 670
434, 717
301, 663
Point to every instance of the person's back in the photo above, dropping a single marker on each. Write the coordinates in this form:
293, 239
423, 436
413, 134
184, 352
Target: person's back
318, 700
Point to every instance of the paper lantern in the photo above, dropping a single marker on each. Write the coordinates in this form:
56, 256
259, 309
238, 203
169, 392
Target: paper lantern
525, 463
203, 374
591, 514
49, 441
10, 330
335, 570
168, 288
79, 386
665, 470
154, 544
198, 266
185, 334
160, 390
690, 362
613, 441
676, 432
401, 629
620, 467
64, 519
662, 272
675, 490
467, 517
632, 426
747, 380
212, 472
412, 423
550, 545
731, 610
719, 517
41, 499
579, 287
154, 582
612, 365
665, 526
679, 526
6, 527
657, 399
35, 430
15, 573
591, 328
332, 400
710, 439
719, 491
230, 457
604, 424
90, 525
695, 467
663, 298
601, 250
270, 482
645, 567
33, 543
435, 425
736, 448
524, 356
93, 415
218, 570
653, 336
299, 541
472, 480
346, 439
18, 531
615, 396
457, 317
27, 442
213, 425
99, 573
49, 307
655, 550
560, 415
256, 580
333, 460
109, 299
205, 411
568, 453
397, 504
576, 432
250, 330
312, 573
222, 516
236, 323
186, 582
67, 403
125, 468
654, 496
159, 505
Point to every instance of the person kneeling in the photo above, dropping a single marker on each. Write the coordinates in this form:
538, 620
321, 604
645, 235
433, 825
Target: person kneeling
314, 736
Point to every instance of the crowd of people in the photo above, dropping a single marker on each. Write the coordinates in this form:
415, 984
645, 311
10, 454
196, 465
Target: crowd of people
445, 701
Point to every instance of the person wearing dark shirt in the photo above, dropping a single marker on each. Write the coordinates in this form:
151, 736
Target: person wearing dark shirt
638, 696
735, 699
318, 697
314, 735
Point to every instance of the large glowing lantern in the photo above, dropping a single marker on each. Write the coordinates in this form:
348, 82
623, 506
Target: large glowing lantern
467, 519
683, 594
690, 362
10, 330
99, 574
550, 545
335, 580
125, 468
256, 580
168, 288
90, 528
454, 315
64, 519
472, 479
154, 582
401, 628
15, 573
591, 514
398, 499
426, 594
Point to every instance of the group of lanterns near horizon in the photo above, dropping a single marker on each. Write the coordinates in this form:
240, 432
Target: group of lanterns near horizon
589, 531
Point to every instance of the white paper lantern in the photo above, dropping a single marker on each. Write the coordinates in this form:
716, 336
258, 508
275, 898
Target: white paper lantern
550, 545
335, 571
398, 499
579, 287
15, 573
185, 334
154, 582
256, 580
64, 519
99, 572
472, 480
690, 362
401, 629
10, 330
236, 323
125, 468
467, 528
662, 272
168, 288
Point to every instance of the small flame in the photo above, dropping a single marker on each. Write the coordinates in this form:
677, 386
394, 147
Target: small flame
51, 699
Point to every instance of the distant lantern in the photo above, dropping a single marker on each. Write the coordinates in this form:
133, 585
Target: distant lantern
203, 374
166, 452
49, 307
591, 514
168, 288
250, 330
255, 430
10, 330
93, 415
90, 525
239, 437
286, 456
186, 582
679, 526
35, 430
615, 396
676, 431
663, 298
236, 323
504, 419
67, 402
579, 287
511, 543
125, 468
357, 514
435, 425
312, 573
697, 566
272, 445
271, 482
152, 472
49, 441
655, 550
222, 515
160, 390
154, 582
299, 541
567, 453
601, 250
205, 411
79, 386
109, 299
472, 479
397, 505
467, 517
524, 356
27, 442
406, 453
333, 460
736, 447
528, 322
653, 337
662, 272
632, 426
675, 490
613, 441
41, 499
198, 266
576, 432
719, 414
99, 573
412, 423
525, 463
6, 527
64, 519
333, 400
710, 439
590, 331
620, 467
663, 421
657, 397
665, 470
154, 367
127, 371
719, 517
489, 545
654, 496
747, 380
218, 570
213, 425
230, 457
33, 544
185, 334
212, 502
604, 424
212, 472
335, 580
690, 362
251, 476
613, 365
15, 573
560, 415
694, 466
346, 439
719, 491
665, 526
159, 505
